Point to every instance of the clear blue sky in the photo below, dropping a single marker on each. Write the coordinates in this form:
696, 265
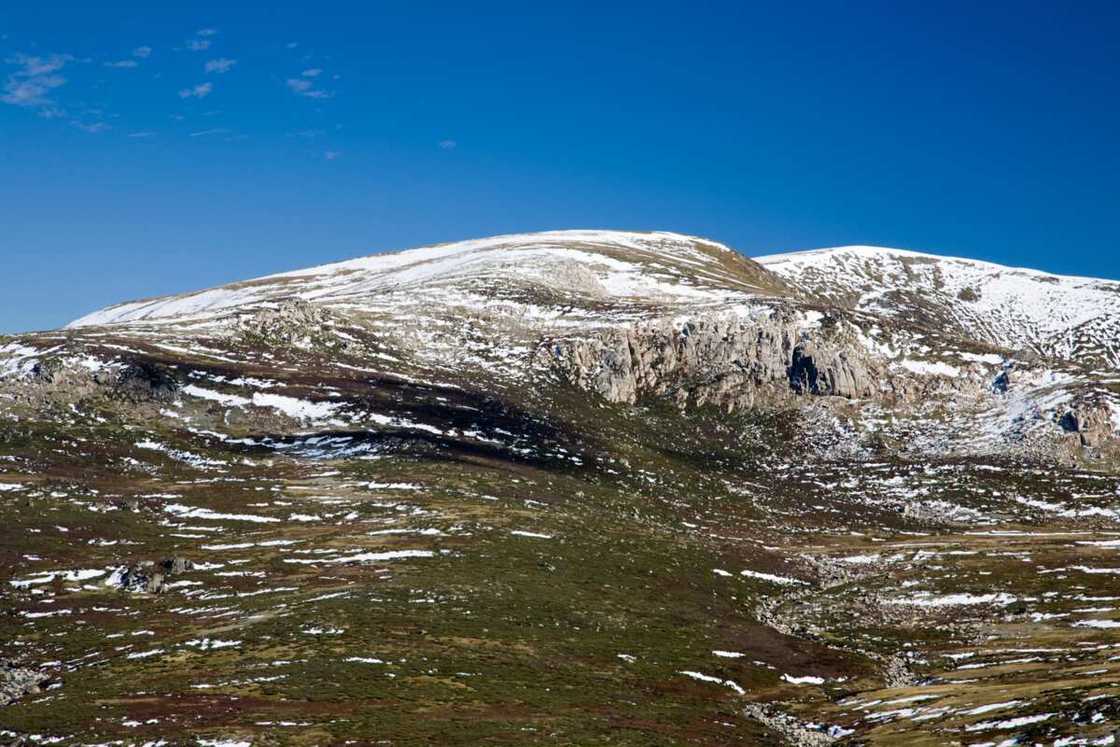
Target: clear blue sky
129, 166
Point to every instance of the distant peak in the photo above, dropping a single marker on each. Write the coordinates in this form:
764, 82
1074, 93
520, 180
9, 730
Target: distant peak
854, 249
814, 257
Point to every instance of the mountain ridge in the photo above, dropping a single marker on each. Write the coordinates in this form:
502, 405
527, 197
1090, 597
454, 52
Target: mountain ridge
411, 263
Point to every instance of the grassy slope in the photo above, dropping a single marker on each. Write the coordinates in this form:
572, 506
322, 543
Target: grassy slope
499, 636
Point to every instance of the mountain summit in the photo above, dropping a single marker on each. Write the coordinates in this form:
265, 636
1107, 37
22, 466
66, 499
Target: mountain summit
584, 265
575, 487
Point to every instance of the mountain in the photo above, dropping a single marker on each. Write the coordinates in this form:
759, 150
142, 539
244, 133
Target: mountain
1070, 318
580, 267
569, 487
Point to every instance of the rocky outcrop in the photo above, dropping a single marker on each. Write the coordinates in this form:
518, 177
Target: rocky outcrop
1091, 420
292, 323
145, 381
817, 367
17, 681
724, 359
789, 729
74, 373
148, 577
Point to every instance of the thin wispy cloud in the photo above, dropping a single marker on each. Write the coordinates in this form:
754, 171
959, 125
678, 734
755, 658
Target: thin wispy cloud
201, 41
32, 66
201, 91
92, 127
332, 155
32, 83
448, 145
304, 85
220, 65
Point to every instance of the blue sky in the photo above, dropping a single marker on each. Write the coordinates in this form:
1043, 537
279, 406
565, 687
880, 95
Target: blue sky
148, 150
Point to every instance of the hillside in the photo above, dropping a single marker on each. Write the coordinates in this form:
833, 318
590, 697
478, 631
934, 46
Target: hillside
575, 487
1069, 318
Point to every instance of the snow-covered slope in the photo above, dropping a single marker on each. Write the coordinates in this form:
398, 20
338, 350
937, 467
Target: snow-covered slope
626, 316
582, 265
1072, 318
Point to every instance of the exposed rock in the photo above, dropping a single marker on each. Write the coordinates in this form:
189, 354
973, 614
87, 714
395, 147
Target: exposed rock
791, 730
293, 323
816, 368
148, 577
1091, 421
722, 359
17, 680
45, 370
176, 564
569, 276
145, 381
1002, 383
897, 672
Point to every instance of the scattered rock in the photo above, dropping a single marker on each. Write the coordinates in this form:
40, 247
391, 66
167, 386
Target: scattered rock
791, 730
147, 577
17, 680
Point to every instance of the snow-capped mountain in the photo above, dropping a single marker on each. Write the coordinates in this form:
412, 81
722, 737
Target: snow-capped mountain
1072, 318
586, 266
632, 315
573, 487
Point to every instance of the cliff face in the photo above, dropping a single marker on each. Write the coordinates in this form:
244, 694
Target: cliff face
721, 359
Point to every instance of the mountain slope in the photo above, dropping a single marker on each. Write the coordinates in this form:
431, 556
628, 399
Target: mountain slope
587, 266
1070, 318
566, 488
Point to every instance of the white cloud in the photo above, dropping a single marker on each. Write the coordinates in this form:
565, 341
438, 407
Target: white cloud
93, 127
123, 64
31, 84
205, 32
144, 134
142, 52
214, 131
311, 72
220, 65
202, 90
198, 45
32, 66
448, 144
331, 155
305, 87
